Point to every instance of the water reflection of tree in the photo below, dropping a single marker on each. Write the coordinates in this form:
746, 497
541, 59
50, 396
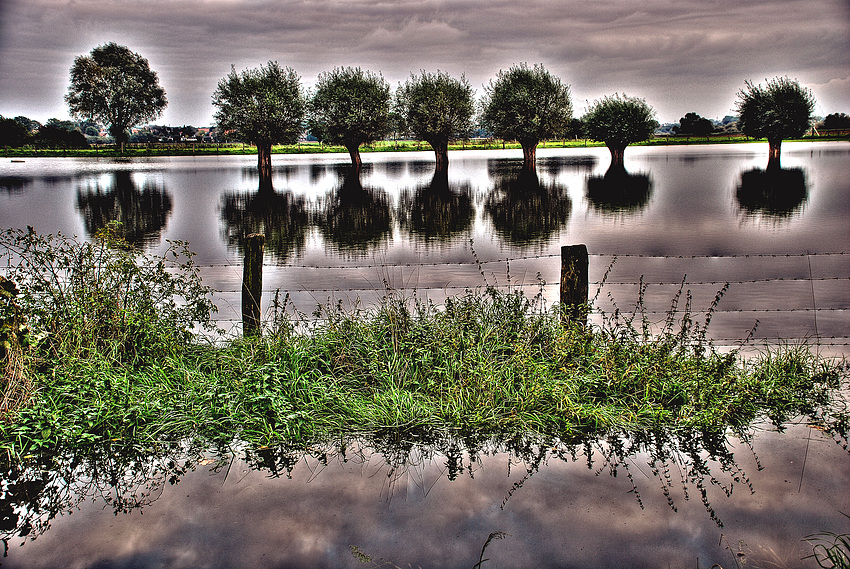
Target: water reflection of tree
33, 491
618, 191
281, 217
126, 478
525, 210
776, 192
438, 212
143, 212
14, 184
354, 218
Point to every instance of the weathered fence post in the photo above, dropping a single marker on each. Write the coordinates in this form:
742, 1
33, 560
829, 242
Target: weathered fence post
573, 283
252, 284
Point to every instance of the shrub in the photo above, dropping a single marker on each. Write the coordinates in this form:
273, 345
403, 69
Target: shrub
103, 297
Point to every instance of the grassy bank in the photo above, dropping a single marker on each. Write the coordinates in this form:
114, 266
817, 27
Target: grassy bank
238, 149
109, 356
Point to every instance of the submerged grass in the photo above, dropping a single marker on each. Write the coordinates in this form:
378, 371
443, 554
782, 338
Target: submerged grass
486, 362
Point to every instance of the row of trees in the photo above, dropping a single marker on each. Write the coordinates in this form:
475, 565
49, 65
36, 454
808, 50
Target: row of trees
22, 131
349, 106
352, 107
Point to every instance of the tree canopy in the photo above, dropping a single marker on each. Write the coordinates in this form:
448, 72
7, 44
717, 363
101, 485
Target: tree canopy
618, 120
693, 124
262, 106
12, 133
836, 121
781, 109
350, 107
527, 104
436, 108
116, 87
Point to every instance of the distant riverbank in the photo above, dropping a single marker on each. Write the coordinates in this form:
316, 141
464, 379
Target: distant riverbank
215, 149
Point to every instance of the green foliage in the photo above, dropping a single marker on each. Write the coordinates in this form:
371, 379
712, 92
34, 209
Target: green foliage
265, 105
12, 133
836, 121
114, 358
103, 299
830, 550
350, 107
436, 107
13, 327
52, 136
527, 104
618, 120
694, 124
15, 340
115, 86
781, 109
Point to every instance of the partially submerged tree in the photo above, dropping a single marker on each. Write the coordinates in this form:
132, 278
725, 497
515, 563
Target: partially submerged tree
436, 108
262, 106
116, 87
350, 107
618, 120
780, 110
527, 104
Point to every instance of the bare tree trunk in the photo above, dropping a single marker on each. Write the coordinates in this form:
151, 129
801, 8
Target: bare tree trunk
529, 155
774, 148
264, 163
354, 151
441, 153
617, 155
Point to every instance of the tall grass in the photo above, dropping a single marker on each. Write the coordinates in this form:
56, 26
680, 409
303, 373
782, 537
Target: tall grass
115, 359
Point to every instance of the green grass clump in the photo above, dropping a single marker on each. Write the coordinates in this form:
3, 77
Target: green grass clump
114, 358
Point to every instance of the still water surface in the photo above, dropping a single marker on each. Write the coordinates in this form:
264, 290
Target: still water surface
398, 225
650, 500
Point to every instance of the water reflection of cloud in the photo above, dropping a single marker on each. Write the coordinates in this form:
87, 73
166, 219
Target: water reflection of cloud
568, 513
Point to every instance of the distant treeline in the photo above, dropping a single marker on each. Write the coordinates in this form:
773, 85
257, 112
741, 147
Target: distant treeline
23, 132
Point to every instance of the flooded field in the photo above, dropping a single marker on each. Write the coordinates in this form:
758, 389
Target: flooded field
627, 500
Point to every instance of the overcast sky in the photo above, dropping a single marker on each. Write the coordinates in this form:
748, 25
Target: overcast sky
680, 55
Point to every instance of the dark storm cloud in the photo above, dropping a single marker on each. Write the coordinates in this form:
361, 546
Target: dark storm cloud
681, 56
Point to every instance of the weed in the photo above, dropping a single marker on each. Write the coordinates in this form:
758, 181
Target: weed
104, 298
830, 550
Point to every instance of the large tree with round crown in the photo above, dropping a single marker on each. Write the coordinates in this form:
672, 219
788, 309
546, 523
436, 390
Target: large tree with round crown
116, 87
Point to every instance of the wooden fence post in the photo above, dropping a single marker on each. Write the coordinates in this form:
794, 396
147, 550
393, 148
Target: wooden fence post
252, 284
574, 284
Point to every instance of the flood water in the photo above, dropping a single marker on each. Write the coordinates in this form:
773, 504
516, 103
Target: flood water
705, 215
639, 500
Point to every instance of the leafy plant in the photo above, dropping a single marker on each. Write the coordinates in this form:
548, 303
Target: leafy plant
14, 338
104, 297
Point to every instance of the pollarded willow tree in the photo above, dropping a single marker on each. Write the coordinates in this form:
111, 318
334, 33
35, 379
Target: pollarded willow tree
350, 107
436, 108
262, 106
782, 109
618, 120
116, 87
527, 104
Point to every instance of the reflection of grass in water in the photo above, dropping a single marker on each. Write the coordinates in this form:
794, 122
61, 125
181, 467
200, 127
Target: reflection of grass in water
830, 550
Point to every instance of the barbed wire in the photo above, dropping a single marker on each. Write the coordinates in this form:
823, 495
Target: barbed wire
528, 258
538, 285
